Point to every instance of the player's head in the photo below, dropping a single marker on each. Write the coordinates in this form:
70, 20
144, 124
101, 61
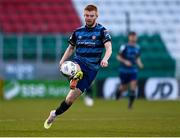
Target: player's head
132, 37
90, 15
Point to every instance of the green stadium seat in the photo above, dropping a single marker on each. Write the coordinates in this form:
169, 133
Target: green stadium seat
29, 47
49, 48
64, 42
10, 47
156, 59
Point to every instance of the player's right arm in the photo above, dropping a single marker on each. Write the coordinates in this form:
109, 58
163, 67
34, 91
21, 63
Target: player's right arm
139, 63
124, 61
121, 59
69, 51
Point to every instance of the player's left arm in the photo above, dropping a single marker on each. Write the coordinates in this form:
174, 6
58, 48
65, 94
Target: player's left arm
139, 63
107, 55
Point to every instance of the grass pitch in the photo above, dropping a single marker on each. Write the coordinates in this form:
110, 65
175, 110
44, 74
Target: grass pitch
105, 118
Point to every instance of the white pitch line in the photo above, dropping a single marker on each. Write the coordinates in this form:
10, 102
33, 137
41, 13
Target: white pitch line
82, 119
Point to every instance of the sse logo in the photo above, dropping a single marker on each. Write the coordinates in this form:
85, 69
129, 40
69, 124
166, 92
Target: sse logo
161, 88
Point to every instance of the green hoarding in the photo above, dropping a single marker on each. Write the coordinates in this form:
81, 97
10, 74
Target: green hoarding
34, 89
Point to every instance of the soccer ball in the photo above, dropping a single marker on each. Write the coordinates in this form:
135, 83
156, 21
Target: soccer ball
69, 68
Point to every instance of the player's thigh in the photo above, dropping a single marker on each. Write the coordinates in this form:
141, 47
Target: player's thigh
78, 66
133, 85
133, 82
123, 87
88, 78
125, 78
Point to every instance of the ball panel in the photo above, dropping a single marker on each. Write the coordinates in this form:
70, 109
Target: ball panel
69, 68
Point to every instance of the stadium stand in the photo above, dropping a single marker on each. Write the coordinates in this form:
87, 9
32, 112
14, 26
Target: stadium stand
155, 57
37, 16
146, 16
33, 26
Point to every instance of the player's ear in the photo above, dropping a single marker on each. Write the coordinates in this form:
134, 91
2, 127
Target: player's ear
97, 14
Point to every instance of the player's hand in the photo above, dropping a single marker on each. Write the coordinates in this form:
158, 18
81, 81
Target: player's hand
127, 63
141, 66
104, 63
60, 63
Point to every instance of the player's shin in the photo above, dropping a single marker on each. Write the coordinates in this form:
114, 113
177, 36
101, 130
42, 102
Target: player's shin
62, 108
71, 97
118, 93
131, 98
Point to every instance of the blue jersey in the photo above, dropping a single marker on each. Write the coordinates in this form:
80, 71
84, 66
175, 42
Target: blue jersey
89, 43
130, 53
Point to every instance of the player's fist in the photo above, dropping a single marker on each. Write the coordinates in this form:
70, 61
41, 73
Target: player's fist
104, 63
141, 66
60, 63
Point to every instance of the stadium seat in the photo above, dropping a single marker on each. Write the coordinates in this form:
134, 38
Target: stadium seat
49, 48
10, 46
30, 12
29, 47
156, 22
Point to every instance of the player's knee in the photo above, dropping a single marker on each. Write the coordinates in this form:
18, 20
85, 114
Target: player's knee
133, 88
122, 88
69, 100
133, 91
78, 67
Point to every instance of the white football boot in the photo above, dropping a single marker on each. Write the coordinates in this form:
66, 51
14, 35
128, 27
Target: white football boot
50, 119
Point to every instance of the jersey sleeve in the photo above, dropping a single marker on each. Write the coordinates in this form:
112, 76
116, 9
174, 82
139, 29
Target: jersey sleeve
72, 39
105, 36
122, 49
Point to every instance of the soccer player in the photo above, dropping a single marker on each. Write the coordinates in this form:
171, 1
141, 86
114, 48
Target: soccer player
88, 42
129, 57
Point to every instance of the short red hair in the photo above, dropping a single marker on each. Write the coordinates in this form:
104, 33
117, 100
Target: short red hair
91, 7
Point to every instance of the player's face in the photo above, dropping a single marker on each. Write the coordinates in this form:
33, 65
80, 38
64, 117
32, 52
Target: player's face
132, 38
90, 18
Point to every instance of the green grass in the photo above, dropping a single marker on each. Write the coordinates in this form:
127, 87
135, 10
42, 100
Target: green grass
106, 118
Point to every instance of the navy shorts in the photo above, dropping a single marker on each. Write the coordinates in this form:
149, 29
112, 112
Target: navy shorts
88, 76
127, 77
